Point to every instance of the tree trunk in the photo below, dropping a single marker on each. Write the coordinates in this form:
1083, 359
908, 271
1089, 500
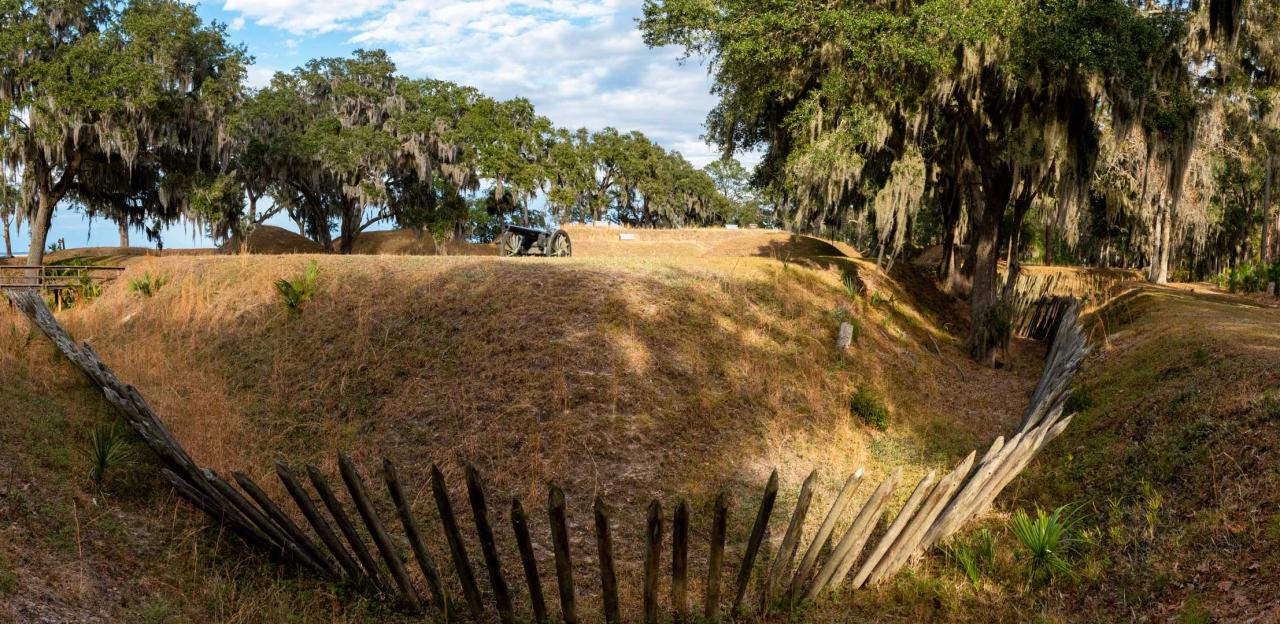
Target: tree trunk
40, 228
985, 331
950, 220
1264, 251
123, 225
8, 243
1159, 271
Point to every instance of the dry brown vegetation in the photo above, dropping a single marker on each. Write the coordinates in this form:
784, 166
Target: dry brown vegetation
627, 378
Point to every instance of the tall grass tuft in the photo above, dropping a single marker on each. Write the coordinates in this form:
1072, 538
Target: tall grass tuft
973, 555
148, 285
294, 293
108, 449
1047, 539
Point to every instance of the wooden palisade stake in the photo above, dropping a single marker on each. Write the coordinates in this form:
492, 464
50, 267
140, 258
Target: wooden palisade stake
426, 563
520, 526
364, 506
564, 560
608, 571
753, 543
715, 561
458, 550
488, 546
652, 561
680, 562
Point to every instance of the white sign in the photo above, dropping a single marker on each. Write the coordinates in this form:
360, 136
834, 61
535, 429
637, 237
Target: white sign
626, 237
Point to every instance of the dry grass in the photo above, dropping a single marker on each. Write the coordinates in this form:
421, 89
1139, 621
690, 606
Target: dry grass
627, 378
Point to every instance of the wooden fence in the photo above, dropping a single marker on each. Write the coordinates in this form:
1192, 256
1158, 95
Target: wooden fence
334, 549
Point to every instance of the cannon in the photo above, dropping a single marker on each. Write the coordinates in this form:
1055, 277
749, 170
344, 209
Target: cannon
526, 241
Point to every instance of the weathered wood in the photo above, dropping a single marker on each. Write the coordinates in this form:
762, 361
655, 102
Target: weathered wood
824, 533
520, 526
286, 524
364, 506
753, 543
608, 570
277, 539
680, 562
715, 559
303, 501
652, 561
489, 546
790, 542
909, 540
346, 527
458, 550
850, 546
895, 529
564, 560
426, 563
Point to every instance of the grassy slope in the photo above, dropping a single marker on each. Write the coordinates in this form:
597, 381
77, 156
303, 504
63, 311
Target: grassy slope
625, 378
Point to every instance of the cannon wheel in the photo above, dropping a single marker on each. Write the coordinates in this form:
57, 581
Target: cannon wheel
509, 244
560, 246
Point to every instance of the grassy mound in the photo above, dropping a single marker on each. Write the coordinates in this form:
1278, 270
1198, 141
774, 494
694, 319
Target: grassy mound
626, 378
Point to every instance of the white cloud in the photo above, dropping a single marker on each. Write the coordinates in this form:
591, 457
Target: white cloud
259, 76
582, 62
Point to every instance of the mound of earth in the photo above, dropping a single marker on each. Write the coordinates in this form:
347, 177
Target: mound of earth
407, 243
269, 239
701, 243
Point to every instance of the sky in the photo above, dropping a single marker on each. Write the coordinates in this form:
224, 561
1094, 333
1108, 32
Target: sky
581, 62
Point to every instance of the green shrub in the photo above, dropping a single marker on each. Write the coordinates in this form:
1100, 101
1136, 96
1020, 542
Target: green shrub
851, 282
294, 293
1047, 540
1245, 278
148, 284
108, 449
869, 407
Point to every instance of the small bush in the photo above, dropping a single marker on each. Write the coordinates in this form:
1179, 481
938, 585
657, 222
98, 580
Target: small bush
294, 293
1246, 278
108, 449
851, 282
1047, 540
867, 406
148, 284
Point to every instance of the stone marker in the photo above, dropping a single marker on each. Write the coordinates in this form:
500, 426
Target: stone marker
846, 336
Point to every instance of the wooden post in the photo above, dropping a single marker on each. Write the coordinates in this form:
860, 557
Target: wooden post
489, 546
790, 542
608, 573
680, 562
824, 533
715, 562
652, 560
364, 506
426, 563
461, 564
290, 550
894, 530
753, 543
322, 528
855, 538
520, 526
291, 530
564, 562
348, 529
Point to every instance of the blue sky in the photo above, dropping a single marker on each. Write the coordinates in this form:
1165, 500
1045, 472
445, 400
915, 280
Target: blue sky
581, 62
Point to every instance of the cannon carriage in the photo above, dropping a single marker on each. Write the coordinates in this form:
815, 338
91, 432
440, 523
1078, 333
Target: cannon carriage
525, 241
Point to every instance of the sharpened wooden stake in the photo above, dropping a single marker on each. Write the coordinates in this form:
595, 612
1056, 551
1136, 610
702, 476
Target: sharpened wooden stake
790, 542
364, 506
824, 533
345, 525
322, 528
753, 543
520, 526
680, 562
461, 564
855, 538
426, 563
608, 572
488, 546
891, 534
652, 561
285, 523
564, 561
715, 561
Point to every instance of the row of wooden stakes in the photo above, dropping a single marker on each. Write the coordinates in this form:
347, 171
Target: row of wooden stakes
934, 510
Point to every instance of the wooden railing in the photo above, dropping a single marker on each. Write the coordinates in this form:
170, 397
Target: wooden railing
937, 506
57, 276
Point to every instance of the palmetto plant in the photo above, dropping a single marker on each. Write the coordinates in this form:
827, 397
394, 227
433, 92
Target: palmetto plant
293, 293
148, 284
108, 449
1047, 539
